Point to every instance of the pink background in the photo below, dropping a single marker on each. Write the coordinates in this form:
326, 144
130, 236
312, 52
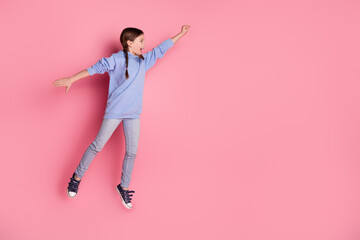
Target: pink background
250, 126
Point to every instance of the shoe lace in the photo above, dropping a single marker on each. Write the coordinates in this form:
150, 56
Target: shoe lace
73, 185
127, 195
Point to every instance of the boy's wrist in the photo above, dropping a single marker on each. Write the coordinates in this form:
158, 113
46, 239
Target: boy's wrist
72, 80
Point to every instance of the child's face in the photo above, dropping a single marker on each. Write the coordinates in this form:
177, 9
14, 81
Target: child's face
137, 45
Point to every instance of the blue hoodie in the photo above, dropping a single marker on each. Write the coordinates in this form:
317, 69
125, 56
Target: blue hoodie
125, 96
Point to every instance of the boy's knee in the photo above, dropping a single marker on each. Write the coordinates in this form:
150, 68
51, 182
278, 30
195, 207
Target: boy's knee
131, 154
97, 145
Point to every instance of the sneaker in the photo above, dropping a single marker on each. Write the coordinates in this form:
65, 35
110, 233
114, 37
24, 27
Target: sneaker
125, 196
73, 186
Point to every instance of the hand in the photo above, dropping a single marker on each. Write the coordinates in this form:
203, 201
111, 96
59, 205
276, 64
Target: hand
184, 29
63, 82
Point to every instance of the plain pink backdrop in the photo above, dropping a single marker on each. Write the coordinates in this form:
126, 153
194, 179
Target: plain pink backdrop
250, 126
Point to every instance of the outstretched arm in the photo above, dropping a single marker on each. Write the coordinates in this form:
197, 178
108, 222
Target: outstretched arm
184, 30
66, 82
102, 66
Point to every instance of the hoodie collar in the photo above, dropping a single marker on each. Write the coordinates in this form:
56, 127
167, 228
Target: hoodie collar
130, 54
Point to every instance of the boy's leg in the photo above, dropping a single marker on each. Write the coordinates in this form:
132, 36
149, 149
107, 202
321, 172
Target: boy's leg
107, 128
132, 133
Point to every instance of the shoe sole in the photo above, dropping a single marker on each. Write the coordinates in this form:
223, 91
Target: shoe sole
122, 200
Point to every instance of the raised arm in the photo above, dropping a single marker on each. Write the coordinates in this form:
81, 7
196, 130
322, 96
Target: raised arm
184, 30
157, 52
160, 50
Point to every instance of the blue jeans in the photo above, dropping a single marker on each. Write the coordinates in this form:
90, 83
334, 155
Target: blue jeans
132, 132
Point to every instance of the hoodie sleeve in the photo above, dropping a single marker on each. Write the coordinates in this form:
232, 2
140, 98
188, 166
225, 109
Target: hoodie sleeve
157, 52
102, 66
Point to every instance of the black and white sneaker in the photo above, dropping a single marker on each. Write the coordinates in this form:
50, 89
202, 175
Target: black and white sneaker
125, 196
73, 186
